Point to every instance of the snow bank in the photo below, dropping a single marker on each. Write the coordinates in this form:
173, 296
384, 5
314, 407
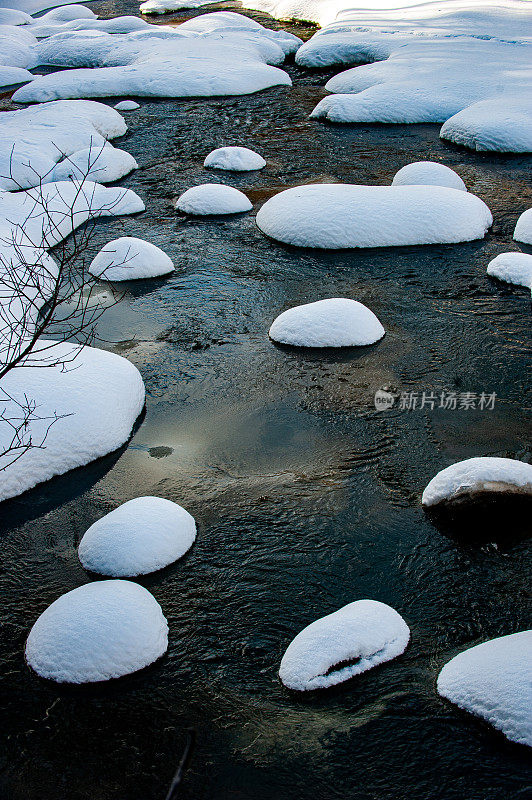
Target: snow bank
215, 54
523, 228
492, 681
501, 124
98, 399
167, 6
476, 476
236, 159
428, 173
35, 6
337, 322
213, 198
128, 258
343, 216
102, 164
127, 105
512, 268
138, 537
354, 639
96, 632
34, 139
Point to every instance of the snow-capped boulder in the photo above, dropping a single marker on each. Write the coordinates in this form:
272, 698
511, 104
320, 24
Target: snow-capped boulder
523, 228
512, 268
336, 322
213, 198
140, 536
343, 216
96, 402
502, 124
475, 476
492, 681
102, 164
236, 159
128, 259
428, 173
355, 638
127, 105
96, 632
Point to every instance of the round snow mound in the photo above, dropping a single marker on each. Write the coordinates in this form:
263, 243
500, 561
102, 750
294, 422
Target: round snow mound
100, 164
128, 259
127, 105
523, 228
237, 159
428, 173
512, 268
213, 198
477, 476
492, 680
140, 536
337, 216
363, 634
96, 632
337, 322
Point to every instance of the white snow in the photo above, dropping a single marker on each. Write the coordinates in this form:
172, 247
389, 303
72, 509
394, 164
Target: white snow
343, 216
492, 681
213, 198
428, 173
140, 536
512, 268
167, 6
127, 105
478, 475
99, 396
363, 634
33, 140
35, 6
128, 258
336, 322
10, 16
102, 164
523, 228
96, 632
236, 159
500, 124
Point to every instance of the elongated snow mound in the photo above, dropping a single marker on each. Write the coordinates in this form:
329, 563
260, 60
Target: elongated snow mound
363, 634
102, 164
96, 632
339, 216
512, 268
492, 681
128, 259
213, 198
140, 536
477, 476
502, 124
523, 228
336, 322
236, 159
97, 398
428, 173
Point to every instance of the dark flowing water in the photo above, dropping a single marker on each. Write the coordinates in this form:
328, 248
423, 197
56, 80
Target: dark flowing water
306, 497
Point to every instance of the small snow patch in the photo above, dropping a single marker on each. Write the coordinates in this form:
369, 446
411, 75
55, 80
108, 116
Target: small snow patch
336, 322
237, 159
128, 259
523, 228
428, 173
213, 198
127, 105
512, 268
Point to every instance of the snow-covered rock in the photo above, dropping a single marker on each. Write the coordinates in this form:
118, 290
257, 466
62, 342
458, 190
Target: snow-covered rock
213, 198
102, 164
167, 6
10, 16
96, 632
523, 228
502, 124
343, 216
354, 639
478, 476
33, 140
127, 105
128, 259
492, 681
428, 173
96, 403
512, 268
236, 159
35, 6
336, 322
140, 536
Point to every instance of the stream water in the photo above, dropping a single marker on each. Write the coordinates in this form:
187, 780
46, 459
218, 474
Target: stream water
306, 497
